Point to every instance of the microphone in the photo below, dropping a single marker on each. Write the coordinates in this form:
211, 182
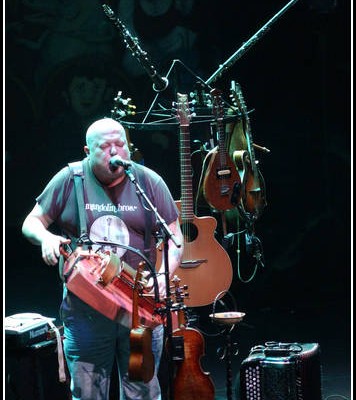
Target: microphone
159, 82
116, 161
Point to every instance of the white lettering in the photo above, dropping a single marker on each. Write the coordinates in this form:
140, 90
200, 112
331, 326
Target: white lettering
109, 207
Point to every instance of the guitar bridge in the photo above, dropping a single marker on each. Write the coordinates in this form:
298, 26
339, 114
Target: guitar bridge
193, 263
223, 173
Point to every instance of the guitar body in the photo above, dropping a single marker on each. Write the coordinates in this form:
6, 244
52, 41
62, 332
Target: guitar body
141, 361
253, 199
222, 183
190, 381
206, 267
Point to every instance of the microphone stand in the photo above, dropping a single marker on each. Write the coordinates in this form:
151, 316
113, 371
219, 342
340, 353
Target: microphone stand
166, 235
253, 39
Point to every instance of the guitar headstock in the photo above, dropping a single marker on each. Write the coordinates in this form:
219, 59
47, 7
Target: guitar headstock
200, 97
180, 292
218, 104
237, 97
182, 109
139, 282
122, 107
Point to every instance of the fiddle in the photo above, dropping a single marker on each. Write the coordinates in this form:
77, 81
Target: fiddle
190, 381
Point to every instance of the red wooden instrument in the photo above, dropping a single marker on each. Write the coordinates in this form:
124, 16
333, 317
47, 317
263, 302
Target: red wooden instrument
190, 381
206, 267
105, 283
222, 182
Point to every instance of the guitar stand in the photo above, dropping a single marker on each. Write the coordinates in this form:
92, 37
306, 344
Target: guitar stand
227, 320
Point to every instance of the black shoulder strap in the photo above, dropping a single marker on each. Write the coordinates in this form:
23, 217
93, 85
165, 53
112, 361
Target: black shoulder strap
78, 176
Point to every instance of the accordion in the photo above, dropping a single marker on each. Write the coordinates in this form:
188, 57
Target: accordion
281, 371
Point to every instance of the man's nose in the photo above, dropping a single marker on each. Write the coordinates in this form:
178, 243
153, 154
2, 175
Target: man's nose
113, 150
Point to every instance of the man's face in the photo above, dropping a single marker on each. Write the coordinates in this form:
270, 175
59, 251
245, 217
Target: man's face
102, 144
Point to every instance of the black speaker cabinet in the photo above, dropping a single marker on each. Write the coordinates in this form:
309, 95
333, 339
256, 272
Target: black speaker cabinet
281, 371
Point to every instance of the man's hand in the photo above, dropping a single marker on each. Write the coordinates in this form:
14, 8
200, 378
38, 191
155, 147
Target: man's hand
50, 248
161, 281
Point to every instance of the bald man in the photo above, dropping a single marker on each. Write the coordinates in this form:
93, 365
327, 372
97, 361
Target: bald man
114, 213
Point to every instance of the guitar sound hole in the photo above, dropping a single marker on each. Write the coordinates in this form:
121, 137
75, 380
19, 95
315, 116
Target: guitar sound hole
190, 231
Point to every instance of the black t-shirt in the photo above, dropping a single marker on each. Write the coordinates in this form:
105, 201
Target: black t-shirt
115, 215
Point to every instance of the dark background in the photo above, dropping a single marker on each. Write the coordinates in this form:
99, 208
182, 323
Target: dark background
295, 78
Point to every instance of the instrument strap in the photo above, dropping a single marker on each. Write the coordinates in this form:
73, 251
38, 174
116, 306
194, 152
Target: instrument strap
78, 176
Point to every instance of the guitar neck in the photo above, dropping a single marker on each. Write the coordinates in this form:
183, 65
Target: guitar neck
237, 94
187, 206
221, 141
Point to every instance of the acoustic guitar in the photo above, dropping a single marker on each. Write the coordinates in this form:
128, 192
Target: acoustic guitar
253, 200
141, 360
222, 182
206, 267
190, 381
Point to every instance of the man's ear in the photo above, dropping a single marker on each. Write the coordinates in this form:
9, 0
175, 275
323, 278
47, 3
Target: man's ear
86, 150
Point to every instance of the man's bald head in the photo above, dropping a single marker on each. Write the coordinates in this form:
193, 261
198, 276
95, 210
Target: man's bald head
102, 127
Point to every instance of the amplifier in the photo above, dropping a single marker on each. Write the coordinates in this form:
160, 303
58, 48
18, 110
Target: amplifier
25, 329
281, 371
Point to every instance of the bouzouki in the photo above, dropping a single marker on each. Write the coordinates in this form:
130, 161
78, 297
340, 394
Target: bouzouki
222, 182
206, 267
253, 199
141, 361
190, 381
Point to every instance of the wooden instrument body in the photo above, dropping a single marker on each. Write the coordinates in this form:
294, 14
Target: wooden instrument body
141, 360
205, 267
253, 198
191, 382
222, 182
109, 292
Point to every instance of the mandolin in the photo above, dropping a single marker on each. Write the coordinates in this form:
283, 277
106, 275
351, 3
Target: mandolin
190, 381
141, 361
253, 199
222, 182
206, 267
